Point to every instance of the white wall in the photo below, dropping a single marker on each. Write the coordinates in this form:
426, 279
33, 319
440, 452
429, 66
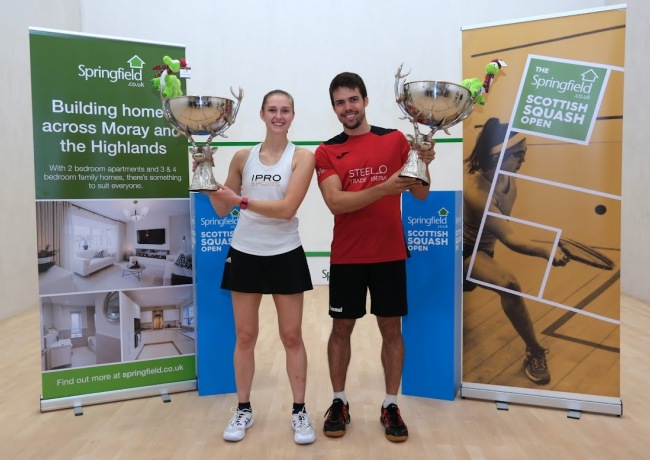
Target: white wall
18, 270
260, 46
298, 46
636, 162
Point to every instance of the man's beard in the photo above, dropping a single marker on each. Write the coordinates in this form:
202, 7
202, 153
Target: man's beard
352, 124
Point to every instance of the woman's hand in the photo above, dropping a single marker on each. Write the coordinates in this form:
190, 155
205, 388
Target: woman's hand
223, 199
223, 194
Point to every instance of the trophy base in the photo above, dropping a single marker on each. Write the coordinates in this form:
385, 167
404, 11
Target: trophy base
203, 178
415, 168
424, 181
202, 189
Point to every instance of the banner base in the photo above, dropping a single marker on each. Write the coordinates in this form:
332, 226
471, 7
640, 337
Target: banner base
78, 401
571, 401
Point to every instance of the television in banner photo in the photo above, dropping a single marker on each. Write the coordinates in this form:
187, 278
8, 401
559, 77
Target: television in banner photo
151, 236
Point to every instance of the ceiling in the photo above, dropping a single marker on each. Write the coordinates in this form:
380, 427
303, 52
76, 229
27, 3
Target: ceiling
149, 297
160, 297
114, 209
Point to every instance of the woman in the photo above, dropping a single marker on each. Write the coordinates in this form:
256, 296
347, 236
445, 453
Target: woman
480, 174
268, 182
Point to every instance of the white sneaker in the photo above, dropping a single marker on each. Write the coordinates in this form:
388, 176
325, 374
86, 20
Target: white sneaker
303, 431
238, 424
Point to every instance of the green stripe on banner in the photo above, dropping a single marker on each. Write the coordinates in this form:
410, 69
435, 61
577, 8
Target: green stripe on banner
111, 377
317, 254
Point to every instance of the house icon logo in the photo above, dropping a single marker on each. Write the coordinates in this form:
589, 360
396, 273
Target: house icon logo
589, 76
136, 62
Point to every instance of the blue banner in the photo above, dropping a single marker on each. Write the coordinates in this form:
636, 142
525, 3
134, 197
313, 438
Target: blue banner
432, 329
215, 338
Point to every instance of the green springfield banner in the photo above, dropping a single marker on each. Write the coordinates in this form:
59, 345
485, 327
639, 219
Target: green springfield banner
559, 99
542, 212
113, 222
97, 379
98, 122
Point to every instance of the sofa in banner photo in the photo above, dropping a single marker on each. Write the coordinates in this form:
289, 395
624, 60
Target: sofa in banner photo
89, 261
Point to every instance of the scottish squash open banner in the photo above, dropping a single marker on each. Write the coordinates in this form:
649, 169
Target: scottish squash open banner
542, 213
113, 220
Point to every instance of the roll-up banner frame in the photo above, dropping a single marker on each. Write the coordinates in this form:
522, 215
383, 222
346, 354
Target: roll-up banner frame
542, 213
113, 219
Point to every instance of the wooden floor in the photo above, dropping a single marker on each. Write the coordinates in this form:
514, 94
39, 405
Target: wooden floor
190, 427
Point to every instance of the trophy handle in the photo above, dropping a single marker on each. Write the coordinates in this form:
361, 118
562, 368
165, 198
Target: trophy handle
230, 119
400, 97
161, 86
239, 97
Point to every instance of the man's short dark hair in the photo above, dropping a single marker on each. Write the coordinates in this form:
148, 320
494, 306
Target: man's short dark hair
348, 80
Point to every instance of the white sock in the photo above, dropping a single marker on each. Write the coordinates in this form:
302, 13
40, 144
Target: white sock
390, 399
340, 395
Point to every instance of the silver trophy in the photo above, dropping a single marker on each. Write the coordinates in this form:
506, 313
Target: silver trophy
202, 116
436, 104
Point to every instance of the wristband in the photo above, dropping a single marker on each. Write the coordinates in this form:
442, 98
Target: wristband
244, 203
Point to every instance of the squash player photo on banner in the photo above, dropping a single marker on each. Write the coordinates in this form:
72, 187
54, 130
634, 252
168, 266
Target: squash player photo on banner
542, 208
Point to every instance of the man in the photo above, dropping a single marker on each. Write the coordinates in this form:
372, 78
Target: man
358, 175
480, 173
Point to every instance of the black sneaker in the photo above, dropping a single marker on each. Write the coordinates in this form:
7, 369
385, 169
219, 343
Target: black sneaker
535, 366
396, 430
336, 417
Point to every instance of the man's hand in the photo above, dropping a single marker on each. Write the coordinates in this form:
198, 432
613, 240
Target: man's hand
396, 185
426, 151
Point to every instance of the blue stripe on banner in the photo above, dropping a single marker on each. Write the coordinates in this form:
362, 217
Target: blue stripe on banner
433, 329
215, 338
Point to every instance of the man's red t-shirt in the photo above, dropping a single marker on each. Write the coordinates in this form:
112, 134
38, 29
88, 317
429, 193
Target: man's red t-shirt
374, 233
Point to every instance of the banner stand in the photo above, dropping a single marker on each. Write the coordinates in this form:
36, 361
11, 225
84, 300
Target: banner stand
575, 403
77, 402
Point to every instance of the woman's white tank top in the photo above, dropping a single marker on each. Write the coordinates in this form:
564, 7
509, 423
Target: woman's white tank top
258, 234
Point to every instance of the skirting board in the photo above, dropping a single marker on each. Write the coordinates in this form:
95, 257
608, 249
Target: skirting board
118, 395
545, 398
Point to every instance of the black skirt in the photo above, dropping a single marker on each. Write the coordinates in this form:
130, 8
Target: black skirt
286, 273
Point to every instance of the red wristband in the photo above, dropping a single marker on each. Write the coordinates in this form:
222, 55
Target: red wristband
244, 203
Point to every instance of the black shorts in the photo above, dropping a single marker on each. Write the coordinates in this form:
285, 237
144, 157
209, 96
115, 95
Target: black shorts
350, 283
286, 273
